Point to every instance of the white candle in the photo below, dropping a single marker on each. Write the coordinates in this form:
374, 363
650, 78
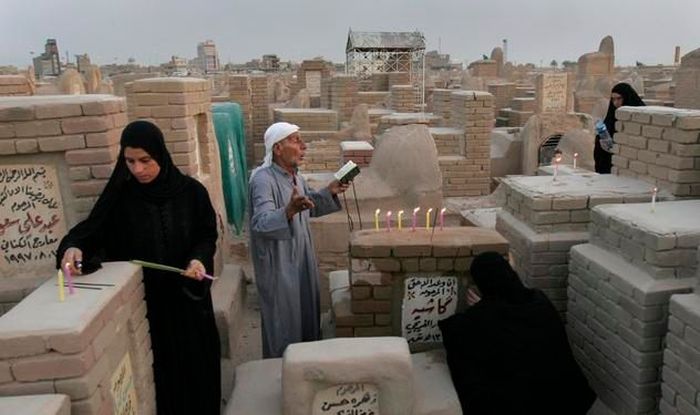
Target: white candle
575, 158
653, 199
376, 219
556, 167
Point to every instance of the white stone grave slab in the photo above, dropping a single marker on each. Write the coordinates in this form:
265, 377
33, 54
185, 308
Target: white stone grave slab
347, 399
426, 301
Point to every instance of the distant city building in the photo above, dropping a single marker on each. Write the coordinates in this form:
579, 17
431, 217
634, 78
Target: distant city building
83, 62
270, 63
176, 67
49, 62
207, 58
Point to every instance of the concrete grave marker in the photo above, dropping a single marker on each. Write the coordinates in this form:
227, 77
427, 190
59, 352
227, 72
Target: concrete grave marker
122, 388
31, 217
347, 399
552, 92
427, 300
313, 83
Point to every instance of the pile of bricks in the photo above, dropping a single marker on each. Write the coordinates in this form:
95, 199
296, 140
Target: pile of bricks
395, 119
448, 141
260, 101
76, 347
181, 107
84, 129
442, 104
14, 85
542, 219
659, 145
473, 112
485, 68
373, 99
321, 156
661, 255
403, 98
360, 152
619, 290
521, 109
308, 119
380, 261
240, 92
380, 81
502, 93
397, 78
343, 96
680, 371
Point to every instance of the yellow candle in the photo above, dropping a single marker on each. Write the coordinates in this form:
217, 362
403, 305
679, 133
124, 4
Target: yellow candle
376, 219
61, 294
427, 218
399, 218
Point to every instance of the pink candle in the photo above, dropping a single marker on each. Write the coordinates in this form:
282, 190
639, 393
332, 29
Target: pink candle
69, 279
415, 213
442, 218
388, 221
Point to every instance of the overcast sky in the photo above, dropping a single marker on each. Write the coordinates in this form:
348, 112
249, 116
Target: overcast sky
537, 31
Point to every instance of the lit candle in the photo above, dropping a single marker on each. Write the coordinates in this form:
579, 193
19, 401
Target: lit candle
653, 199
399, 218
415, 212
556, 167
427, 218
575, 158
61, 294
442, 218
388, 221
376, 219
69, 279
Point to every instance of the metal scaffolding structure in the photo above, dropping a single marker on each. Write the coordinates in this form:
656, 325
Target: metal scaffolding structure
367, 53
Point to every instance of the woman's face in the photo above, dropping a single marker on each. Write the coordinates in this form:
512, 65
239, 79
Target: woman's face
141, 164
617, 100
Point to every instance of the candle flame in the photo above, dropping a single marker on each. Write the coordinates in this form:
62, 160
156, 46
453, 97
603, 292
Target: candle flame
575, 154
416, 210
443, 210
376, 212
400, 212
655, 190
430, 210
388, 213
558, 159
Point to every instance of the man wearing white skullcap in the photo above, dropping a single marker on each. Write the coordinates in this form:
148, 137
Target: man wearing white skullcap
286, 274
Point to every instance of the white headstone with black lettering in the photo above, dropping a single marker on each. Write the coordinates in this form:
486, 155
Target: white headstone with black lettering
426, 301
346, 399
32, 221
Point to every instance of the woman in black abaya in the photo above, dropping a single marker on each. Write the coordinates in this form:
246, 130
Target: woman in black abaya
622, 94
508, 353
151, 211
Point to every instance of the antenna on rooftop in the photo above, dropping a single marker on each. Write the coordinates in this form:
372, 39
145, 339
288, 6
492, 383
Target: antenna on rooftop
505, 50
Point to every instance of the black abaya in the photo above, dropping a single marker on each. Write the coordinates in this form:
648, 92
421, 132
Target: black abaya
170, 221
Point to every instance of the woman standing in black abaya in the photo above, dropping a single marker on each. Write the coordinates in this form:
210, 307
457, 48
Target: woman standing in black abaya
622, 94
150, 211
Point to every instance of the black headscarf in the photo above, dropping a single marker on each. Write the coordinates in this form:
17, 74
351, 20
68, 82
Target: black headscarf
496, 279
169, 183
630, 98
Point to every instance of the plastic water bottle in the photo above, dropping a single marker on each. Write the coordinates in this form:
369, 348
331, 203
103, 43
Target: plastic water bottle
606, 141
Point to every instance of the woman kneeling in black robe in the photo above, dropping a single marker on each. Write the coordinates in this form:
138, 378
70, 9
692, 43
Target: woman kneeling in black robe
508, 353
150, 211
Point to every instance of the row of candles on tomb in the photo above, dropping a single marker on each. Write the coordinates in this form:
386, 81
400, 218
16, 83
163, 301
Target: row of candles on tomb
414, 222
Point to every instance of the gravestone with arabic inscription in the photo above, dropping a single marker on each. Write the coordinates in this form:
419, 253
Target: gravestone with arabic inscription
426, 301
346, 399
553, 93
32, 220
